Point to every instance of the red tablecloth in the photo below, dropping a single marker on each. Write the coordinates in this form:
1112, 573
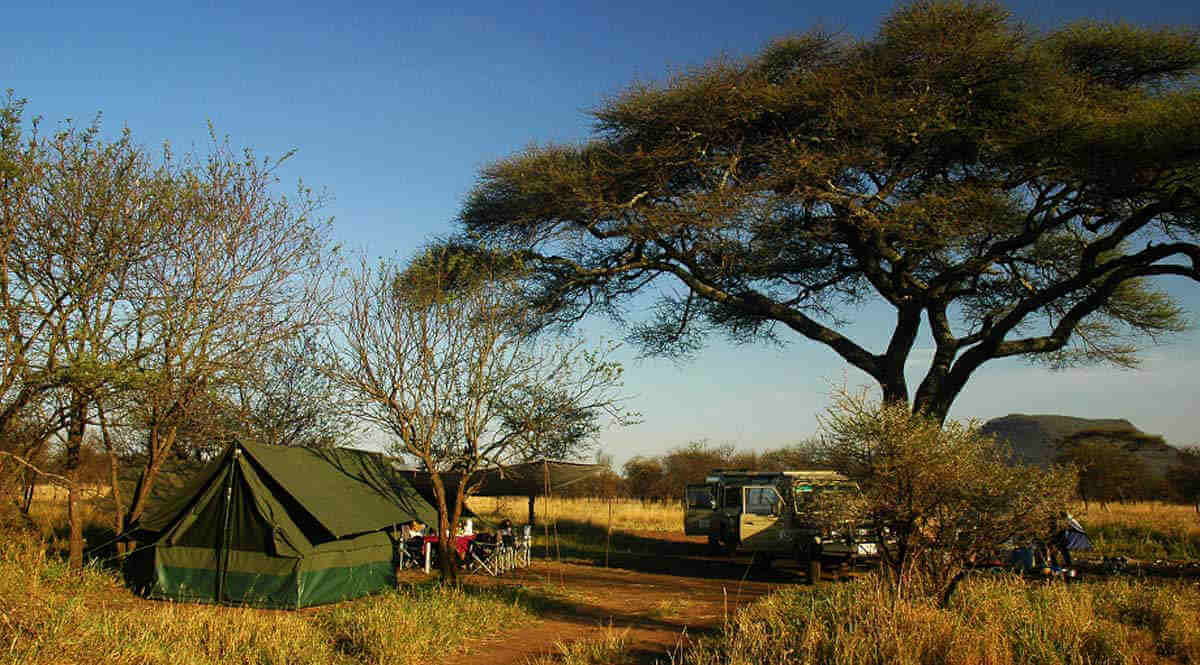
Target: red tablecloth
461, 543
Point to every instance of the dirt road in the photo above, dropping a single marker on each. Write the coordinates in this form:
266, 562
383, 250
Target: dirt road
661, 600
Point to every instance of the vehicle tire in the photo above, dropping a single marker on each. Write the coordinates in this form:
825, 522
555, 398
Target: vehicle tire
714, 544
808, 555
730, 544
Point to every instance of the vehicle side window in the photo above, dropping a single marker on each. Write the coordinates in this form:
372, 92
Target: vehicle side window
733, 497
699, 497
761, 500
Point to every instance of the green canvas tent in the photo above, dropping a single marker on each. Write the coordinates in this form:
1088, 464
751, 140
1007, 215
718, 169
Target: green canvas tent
277, 527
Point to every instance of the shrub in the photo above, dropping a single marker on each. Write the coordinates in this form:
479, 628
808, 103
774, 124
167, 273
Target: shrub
939, 496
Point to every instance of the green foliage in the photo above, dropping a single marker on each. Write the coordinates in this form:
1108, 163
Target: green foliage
665, 476
957, 163
1184, 477
1108, 471
946, 495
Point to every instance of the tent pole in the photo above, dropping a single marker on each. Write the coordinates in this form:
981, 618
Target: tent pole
546, 508
223, 554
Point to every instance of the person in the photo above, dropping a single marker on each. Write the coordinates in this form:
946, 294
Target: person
1069, 535
412, 529
505, 532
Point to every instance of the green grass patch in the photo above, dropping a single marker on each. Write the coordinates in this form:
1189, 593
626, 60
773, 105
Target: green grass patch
1146, 541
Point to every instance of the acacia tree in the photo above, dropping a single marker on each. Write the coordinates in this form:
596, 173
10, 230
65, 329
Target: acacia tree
1015, 191
438, 356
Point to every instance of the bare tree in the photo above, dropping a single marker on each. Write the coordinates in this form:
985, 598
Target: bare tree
238, 270
135, 291
287, 399
438, 362
85, 219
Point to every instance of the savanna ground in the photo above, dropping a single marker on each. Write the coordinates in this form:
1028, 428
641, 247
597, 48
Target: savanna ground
660, 598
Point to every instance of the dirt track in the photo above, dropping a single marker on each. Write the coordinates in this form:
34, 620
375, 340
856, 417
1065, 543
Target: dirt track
662, 600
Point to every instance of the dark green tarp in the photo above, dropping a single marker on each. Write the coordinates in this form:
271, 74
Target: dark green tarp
278, 527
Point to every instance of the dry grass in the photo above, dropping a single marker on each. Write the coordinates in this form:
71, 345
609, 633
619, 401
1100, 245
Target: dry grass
609, 648
49, 614
49, 510
627, 514
1143, 530
999, 621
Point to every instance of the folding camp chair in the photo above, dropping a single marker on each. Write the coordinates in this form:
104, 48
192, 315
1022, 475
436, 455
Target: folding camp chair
412, 553
484, 555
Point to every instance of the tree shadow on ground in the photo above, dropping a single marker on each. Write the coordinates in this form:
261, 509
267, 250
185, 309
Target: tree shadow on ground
643, 552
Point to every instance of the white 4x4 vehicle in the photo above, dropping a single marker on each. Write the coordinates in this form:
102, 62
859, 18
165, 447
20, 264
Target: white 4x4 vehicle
805, 514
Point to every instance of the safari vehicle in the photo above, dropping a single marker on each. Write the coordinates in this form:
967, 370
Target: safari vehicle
777, 513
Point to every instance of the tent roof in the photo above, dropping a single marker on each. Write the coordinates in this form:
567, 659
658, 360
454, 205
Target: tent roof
346, 491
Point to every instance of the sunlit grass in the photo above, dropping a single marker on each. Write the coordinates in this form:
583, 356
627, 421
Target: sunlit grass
607, 649
55, 615
627, 514
1143, 530
995, 620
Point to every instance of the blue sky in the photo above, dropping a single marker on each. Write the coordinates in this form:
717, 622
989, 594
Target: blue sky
393, 107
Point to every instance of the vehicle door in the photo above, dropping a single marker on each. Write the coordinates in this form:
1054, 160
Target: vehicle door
699, 504
762, 524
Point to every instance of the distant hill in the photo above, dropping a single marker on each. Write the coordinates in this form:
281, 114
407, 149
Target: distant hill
1035, 439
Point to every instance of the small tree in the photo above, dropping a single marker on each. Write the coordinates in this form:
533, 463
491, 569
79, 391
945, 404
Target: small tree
438, 357
940, 497
1107, 471
645, 477
1183, 477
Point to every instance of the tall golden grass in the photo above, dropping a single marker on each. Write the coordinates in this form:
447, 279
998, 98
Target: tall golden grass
1144, 530
52, 615
627, 514
998, 621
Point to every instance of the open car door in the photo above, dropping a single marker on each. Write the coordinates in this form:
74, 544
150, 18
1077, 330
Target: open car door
699, 504
762, 520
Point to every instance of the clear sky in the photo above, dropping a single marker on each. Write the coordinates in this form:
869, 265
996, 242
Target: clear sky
393, 107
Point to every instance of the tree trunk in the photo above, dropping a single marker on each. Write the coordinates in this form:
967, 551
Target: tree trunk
115, 481
159, 445
949, 591
75, 429
445, 530
532, 497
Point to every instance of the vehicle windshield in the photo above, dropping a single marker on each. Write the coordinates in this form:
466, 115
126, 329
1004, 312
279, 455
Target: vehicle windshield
807, 493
